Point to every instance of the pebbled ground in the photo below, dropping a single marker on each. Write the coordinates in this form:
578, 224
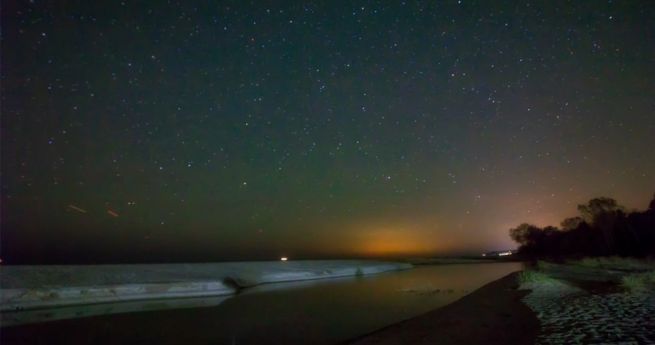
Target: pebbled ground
569, 315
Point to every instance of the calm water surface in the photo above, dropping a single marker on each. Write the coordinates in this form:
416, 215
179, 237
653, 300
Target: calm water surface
314, 312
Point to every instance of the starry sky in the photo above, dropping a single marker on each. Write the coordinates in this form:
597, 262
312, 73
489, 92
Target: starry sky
191, 131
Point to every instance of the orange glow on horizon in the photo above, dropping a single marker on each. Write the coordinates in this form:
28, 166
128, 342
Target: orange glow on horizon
397, 240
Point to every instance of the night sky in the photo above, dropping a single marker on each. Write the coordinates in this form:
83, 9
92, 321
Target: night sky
186, 131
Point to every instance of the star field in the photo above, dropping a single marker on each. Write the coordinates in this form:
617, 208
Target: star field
244, 130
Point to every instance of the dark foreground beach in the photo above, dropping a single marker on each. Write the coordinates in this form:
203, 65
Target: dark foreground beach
317, 312
590, 301
493, 314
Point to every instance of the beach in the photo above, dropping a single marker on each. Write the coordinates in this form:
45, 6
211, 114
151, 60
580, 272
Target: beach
33, 287
557, 304
321, 312
546, 303
590, 305
493, 314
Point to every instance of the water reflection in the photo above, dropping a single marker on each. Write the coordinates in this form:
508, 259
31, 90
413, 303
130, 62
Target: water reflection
79, 311
316, 312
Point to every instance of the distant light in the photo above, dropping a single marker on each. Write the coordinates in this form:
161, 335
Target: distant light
284, 258
504, 253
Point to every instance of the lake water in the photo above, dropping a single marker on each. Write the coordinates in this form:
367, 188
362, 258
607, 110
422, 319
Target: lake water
310, 312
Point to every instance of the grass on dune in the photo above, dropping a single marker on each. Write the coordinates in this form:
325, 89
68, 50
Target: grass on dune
639, 282
616, 263
530, 276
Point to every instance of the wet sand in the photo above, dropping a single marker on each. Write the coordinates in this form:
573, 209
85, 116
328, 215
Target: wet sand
493, 314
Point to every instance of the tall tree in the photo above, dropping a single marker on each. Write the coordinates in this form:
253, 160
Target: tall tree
597, 207
571, 223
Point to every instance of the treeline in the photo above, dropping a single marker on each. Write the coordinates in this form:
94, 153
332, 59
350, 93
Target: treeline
603, 228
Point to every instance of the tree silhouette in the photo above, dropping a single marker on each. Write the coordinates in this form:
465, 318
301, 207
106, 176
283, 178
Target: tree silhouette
524, 234
603, 228
597, 207
571, 223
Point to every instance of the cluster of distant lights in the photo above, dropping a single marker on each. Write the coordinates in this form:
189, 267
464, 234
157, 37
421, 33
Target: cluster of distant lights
499, 254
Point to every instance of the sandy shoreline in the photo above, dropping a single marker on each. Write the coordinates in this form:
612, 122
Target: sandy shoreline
560, 304
328, 312
557, 304
34, 287
493, 314
571, 315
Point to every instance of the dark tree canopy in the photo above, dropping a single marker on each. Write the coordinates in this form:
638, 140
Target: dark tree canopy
571, 223
524, 234
603, 228
597, 207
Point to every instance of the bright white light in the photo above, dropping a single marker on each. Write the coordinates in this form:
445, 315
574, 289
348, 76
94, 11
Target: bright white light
284, 258
504, 253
